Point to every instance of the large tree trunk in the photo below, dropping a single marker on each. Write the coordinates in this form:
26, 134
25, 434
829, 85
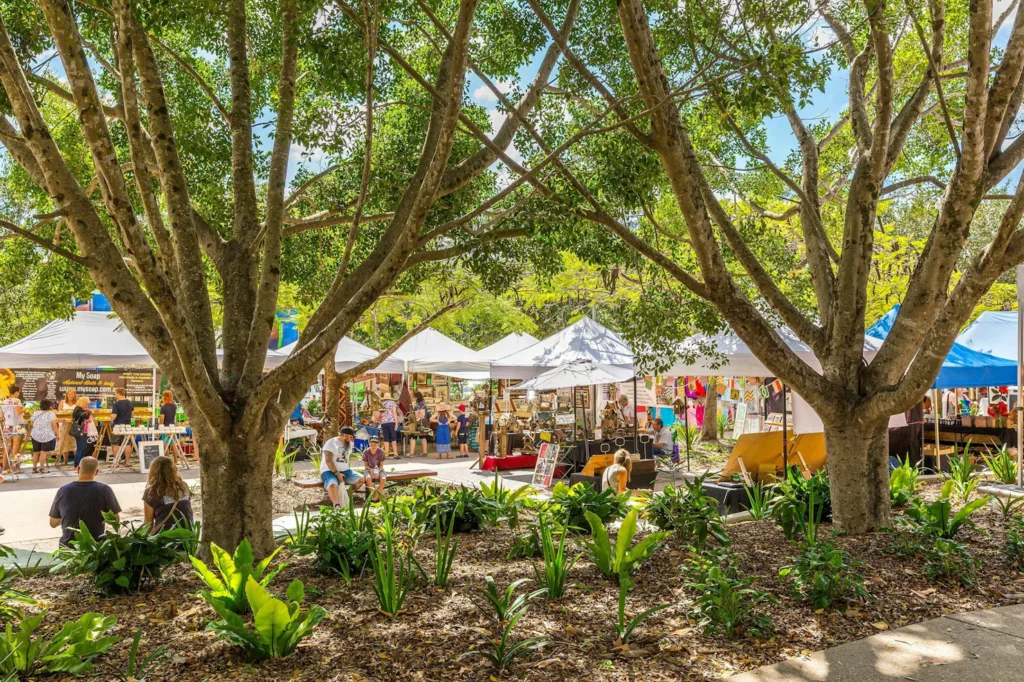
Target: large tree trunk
237, 489
332, 391
710, 433
858, 468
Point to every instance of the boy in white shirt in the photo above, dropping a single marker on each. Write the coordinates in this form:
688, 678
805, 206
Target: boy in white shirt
335, 451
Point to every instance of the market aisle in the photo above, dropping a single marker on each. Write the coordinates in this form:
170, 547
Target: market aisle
980, 645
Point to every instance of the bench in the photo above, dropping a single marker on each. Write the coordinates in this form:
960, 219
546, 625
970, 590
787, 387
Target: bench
392, 476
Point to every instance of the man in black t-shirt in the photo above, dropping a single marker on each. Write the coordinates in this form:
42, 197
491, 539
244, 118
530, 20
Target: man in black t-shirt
83, 500
122, 411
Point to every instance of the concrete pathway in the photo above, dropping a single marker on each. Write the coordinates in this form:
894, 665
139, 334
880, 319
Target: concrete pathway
981, 645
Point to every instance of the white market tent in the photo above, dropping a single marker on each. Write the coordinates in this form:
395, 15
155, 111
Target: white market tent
576, 373
508, 345
582, 340
86, 341
994, 333
350, 353
725, 354
432, 352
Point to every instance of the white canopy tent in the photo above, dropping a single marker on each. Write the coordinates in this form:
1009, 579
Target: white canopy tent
508, 345
582, 340
432, 352
725, 354
87, 341
350, 353
576, 373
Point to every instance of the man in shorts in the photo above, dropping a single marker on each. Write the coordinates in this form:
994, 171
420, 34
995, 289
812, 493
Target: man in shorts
334, 467
373, 467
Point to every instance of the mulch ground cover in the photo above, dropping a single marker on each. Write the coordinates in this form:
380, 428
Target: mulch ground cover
356, 642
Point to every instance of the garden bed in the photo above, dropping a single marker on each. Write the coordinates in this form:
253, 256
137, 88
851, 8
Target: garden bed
356, 642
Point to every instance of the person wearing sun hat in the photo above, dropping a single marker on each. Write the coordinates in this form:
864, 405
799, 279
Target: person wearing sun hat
442, 431
389, 425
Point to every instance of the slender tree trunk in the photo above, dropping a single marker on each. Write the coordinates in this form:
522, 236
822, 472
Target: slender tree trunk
858, 468
237, 489
332, 392
711, 434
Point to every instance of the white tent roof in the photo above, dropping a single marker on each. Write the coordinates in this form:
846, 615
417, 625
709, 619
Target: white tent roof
994, 333
578, 373
582, 340
87, 340
350, 353
433, 352
724, 354
508, 345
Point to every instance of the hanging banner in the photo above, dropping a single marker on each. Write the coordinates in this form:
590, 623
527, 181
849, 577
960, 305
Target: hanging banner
99, 383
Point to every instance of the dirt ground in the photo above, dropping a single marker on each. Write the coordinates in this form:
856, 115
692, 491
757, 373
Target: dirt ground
356, 642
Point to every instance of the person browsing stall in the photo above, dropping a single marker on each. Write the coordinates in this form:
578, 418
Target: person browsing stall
462, 433
167, 501
442, 431
79, 429
389, 425
84, 500
422, 414
663, 440
373, 467
122, 416
616, 477
44, 436
14, 426
334, 468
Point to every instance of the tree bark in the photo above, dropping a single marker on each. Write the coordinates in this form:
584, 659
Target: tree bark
858, 468
710, 433
237, 488
332, 393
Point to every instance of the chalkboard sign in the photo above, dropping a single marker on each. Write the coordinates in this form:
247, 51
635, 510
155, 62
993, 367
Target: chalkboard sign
149, 450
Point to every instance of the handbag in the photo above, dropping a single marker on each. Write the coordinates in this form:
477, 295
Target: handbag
75, 430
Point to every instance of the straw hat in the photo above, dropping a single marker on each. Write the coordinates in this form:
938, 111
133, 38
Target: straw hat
387, 396
443, 407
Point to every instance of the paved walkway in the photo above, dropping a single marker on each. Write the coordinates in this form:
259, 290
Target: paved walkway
981, 645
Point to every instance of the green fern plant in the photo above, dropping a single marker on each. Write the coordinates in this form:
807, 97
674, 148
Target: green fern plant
235, 570
622, 560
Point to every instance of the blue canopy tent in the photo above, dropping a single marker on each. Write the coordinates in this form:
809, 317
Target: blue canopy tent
963, 367
994, 332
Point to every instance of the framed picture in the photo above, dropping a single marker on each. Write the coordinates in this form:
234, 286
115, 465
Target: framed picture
149, 450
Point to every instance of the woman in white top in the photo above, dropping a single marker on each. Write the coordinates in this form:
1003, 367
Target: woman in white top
14, 428
43, 435
617, 475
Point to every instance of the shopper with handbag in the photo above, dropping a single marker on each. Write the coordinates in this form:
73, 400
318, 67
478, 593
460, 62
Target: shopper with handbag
166, 501
79, 429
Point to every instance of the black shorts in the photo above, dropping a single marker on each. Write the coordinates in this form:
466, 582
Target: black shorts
45, 446
389, 432
463, 438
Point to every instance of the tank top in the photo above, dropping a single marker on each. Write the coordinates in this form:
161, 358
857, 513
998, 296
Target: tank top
610, 480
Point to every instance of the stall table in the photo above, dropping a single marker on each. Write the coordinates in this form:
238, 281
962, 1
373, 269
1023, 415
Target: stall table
509, 462
130, 433
977, 435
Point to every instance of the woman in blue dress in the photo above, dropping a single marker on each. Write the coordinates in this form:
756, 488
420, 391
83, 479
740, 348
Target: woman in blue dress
443, 432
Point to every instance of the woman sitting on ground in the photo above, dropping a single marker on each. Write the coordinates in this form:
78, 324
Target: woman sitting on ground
616, 477
167, 500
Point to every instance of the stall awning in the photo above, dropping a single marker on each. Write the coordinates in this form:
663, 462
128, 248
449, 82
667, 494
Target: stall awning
350, 353
963, 367
582, 340
432, 352
578, 373
994, 333
508, 345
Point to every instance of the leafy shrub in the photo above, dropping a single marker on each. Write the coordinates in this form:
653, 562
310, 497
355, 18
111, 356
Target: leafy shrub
507, 611
569, 504
623, 628
945, 558
688, 436
11, 599
793, 501
1008, 505
1013, 545
137, 668
502, 603
759, 500
25, 653
230, 589
722, 422
1003, 465
340, 539
468, 506
620, 561
689, 511
556, 565
937, 518
508, 503
279, 627
963, 474
525, 544
284, 461
392, 571
903, 483
126, 559
726, 604
825, 576
444, 552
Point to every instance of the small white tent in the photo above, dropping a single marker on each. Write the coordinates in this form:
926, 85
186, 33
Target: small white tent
508, 345
582, 340
350, 353
432, 352
87, 340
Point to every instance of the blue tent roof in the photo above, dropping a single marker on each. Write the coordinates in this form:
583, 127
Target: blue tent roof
994, 333
963, 367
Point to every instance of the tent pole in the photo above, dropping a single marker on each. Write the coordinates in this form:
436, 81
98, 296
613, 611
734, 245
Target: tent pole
636, 437
156, 391
785, 437
938, 396
686, 420
1020, 378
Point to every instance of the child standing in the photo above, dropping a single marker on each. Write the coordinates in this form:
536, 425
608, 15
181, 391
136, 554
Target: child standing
463, 432
443, 433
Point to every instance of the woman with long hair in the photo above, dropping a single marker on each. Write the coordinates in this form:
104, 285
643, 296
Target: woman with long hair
79, 429
167, 500
65, 443
44, 436
616, 477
